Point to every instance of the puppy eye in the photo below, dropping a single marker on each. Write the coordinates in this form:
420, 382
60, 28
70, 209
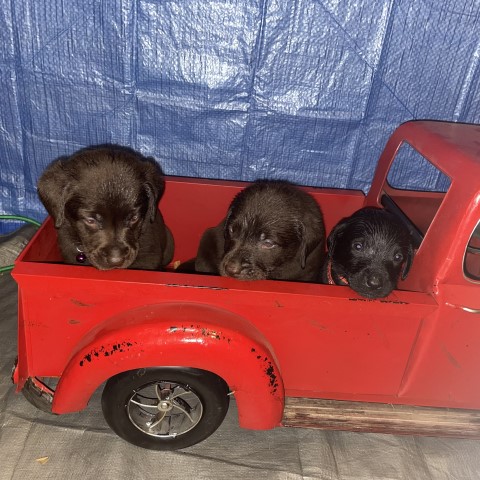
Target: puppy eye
268, 244
90, 221
358, 246
230, 229
398, 257
133, 219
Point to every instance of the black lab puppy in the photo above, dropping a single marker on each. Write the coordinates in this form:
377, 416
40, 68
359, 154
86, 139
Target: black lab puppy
273, 230
104, 203
368, 251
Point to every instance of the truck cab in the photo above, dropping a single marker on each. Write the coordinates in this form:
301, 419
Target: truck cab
446, 227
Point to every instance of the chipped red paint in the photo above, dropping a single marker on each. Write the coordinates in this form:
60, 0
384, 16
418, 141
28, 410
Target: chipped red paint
219, 342
79, 303
105, 351
178, 285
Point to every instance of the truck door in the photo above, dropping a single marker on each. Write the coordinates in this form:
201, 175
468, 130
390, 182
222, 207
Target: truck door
447, 370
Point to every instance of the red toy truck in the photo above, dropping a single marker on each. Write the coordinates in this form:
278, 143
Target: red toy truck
172, 347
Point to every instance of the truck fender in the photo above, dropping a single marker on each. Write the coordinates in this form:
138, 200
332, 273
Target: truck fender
182, 335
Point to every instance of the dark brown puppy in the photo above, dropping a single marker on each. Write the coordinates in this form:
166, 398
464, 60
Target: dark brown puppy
273, 230
104, 203
368, 251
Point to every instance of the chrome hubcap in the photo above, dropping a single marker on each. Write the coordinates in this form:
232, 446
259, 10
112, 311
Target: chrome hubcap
164, 409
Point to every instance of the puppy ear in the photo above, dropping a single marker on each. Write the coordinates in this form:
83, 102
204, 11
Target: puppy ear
210, 250
408, 262
301, 232
334, 236
309, 240
153, 199
54, 188
154, 186
226, 222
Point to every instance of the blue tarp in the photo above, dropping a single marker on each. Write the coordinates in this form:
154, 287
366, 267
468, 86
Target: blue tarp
307, 90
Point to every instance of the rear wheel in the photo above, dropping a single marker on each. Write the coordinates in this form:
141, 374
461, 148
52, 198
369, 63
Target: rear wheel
165, 408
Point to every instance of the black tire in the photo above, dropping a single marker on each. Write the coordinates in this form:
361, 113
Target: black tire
165, 408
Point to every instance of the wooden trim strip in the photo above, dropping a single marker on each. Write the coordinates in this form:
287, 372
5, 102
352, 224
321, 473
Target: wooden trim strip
381, 418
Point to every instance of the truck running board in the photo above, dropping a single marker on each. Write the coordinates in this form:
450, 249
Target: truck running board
381, 418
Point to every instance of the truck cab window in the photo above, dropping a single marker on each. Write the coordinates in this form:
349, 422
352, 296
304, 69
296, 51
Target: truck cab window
471, 264
415, 188
412, 171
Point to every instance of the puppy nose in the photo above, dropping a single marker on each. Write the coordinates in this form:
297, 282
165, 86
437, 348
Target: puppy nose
233, 268
115, 257
374, 282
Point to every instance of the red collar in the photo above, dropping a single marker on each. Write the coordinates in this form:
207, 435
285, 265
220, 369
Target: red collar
330, 279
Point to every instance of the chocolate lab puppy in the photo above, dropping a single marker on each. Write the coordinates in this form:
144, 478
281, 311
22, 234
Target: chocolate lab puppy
273, 230
104, 204
369, 251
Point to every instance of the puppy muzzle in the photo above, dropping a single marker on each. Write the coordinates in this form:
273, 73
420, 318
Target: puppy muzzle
111, 257
241, 269
371, 284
